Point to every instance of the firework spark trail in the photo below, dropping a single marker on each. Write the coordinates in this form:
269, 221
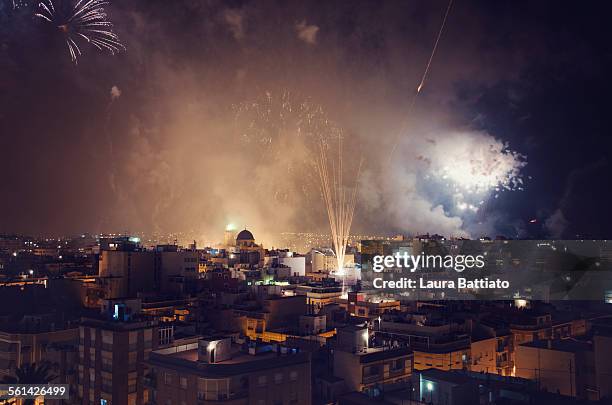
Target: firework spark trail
115, 93
435, 48
423, 78
87, 20
339, 201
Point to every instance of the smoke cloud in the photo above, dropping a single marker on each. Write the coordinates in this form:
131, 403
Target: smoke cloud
234, 21
557, 222
192, 152
307, 33
115, 93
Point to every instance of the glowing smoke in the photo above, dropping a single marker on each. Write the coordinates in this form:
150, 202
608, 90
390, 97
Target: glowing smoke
441, 180
115, 93
181, 158
235, 23
307, 33
473, 163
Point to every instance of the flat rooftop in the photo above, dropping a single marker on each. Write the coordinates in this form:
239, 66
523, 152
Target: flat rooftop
564, 345
185, 358
382, 353
237, 356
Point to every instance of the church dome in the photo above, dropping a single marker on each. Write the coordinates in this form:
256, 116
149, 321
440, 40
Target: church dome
245, 235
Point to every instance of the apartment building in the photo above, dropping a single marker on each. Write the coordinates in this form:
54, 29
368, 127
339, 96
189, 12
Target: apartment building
112, 350
221, 369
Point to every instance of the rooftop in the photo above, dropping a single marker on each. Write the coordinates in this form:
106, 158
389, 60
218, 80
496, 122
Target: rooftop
459, 377
565, 345
447, 376
185, 358
373, 354
103, 322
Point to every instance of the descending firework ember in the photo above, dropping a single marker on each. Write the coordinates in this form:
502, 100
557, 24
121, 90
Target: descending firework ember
425, 73
85, 20
339, 200
435, 47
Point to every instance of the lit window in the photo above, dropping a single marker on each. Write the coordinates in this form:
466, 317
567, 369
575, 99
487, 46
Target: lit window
262, 380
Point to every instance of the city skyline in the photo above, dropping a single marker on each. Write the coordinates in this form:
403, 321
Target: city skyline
338, 202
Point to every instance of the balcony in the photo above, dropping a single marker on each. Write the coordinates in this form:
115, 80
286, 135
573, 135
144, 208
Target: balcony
236, 397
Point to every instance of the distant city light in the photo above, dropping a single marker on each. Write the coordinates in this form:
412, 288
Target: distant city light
520, 303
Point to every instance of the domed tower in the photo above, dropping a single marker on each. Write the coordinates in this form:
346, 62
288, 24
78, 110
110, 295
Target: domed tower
245, 239
250, 253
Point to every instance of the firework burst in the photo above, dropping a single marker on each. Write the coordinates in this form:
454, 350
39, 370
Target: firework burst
267, 119
470, 168
86, 20
340, 200
271, 124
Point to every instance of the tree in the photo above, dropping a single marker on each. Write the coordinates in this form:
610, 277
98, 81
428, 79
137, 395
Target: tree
31, 374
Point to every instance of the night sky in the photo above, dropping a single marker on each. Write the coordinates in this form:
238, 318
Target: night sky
171, 148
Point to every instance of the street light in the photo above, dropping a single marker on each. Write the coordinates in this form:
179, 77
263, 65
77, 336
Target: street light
429, 385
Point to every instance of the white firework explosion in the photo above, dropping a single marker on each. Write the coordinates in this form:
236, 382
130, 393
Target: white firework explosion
87, 21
